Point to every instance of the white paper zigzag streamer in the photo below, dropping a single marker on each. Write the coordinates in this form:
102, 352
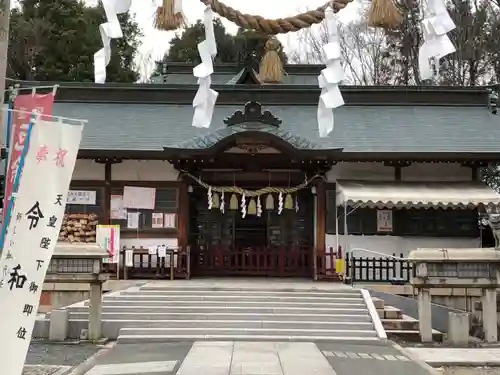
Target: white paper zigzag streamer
436, 23
109, 30
330, 77
204, 101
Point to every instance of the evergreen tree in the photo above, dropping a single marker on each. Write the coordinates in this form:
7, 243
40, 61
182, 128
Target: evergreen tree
56, 41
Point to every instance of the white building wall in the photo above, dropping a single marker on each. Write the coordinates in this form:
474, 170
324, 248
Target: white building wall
436, 172
144, 170
361, 171
87, 170
387, 244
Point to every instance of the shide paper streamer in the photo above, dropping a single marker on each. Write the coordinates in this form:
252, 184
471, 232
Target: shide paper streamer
204, 101
330, 77
436, 23
109, 30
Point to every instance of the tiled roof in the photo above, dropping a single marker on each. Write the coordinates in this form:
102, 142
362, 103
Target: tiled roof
149, 127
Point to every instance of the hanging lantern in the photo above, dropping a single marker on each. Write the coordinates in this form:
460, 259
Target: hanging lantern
233, 202
252, 207
288, 202
215, 200
270, 202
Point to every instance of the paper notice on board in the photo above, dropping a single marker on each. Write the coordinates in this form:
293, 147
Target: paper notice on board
162, 251
152, 250
169, 221
139, 197
133, 220
118, 211
129, 258
157, 220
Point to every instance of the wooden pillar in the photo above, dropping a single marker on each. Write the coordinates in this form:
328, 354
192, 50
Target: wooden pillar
183, 216
320, 217
107, 192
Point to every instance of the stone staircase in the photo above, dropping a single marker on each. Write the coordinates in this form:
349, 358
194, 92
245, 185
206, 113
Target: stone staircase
172, 311
399, 326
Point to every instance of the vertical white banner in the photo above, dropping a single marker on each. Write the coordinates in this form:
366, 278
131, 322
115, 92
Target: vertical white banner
32, 234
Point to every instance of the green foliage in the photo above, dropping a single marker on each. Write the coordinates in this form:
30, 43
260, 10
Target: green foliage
244, 47
56, 41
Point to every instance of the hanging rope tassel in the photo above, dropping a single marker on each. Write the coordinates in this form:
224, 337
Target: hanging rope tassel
169, 16
384, 13
271, 67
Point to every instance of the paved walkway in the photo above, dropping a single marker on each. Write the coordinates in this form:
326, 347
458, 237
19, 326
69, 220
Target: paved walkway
438, 357
254, 358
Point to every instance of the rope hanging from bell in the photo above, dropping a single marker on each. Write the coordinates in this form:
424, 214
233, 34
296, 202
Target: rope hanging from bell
271, 67
169, 16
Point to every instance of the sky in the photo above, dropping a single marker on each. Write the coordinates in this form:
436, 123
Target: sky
155, 43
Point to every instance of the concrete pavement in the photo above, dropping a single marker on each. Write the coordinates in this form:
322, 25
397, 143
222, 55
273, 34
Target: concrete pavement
457, 357
254, 358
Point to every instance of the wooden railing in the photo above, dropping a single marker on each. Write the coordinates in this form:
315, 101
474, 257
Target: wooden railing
255, 261
326, 265
175, 264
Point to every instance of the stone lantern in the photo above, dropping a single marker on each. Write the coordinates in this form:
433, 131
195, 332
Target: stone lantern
457, 268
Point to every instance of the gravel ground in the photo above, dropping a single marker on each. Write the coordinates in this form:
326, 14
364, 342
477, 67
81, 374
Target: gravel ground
39, 370
470, 370
40, 353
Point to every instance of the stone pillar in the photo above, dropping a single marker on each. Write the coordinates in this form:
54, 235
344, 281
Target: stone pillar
95, 309
458, 328
489, 302
424, 315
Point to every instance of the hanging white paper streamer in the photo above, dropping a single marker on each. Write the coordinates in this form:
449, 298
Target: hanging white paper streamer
280, 203
210, 198
436, 23
330, 77
259, 207
222, 203
243, 206
109, 30
204, 101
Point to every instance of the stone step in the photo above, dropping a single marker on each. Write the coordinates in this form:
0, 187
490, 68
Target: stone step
244, 293
212, 331
389, 312
112, 327
228, 317
233, 303
257, 309
231, 298
406, 323
412, 335
202, 288
137, 339
359, 303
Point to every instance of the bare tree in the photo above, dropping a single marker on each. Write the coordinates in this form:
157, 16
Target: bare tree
364, 52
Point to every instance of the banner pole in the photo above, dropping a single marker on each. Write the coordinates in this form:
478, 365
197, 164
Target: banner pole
12, 97
16, 183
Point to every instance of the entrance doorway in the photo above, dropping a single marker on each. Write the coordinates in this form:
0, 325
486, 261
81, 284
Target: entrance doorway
226, 244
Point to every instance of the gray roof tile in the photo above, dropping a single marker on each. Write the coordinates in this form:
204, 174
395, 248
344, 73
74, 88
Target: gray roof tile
357, 128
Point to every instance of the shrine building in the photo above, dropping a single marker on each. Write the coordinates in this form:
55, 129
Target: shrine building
403, 162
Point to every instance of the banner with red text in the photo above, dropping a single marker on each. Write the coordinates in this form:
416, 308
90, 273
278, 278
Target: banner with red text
23, 106
32, 234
